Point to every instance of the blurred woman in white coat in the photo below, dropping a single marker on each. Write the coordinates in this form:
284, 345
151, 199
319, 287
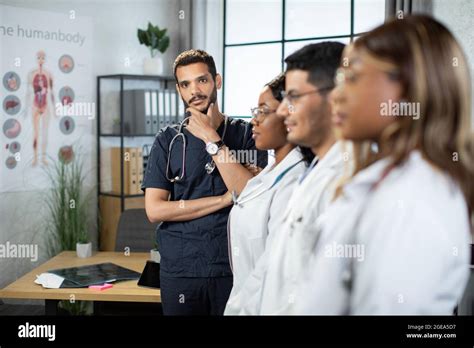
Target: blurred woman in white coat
396, 240
259, 208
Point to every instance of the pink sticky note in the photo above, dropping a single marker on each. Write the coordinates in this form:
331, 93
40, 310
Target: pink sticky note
100, 287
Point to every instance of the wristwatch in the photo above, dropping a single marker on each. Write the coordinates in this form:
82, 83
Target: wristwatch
213, 148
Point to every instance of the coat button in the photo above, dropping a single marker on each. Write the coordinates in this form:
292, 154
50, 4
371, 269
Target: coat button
346, 277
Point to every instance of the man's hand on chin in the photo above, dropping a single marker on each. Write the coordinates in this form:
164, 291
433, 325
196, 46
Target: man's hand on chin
202, 125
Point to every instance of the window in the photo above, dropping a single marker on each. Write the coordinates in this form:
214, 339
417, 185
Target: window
259, 34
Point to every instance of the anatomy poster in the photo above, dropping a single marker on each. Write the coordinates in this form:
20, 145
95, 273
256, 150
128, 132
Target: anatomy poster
46, 93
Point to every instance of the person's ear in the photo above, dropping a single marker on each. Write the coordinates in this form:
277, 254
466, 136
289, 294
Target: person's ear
218, 81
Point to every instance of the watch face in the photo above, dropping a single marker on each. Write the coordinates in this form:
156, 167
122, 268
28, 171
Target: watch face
212, 148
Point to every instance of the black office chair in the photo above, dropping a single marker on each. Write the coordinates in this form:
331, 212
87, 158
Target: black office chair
20, 309
135, 232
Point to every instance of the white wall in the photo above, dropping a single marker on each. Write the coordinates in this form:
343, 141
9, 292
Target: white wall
115, 26
458, 16
115, 23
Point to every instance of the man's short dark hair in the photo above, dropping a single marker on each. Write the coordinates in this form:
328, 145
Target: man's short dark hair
320, 60
195, 56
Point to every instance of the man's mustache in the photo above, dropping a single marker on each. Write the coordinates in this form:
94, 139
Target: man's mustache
197, 97
212, 99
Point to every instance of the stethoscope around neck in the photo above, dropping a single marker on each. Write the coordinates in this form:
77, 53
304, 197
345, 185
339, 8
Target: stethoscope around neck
240, 202
210, 166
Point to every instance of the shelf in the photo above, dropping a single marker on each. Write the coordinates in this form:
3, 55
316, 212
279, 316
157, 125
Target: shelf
118, 195
119, 98
138, 77
127, 135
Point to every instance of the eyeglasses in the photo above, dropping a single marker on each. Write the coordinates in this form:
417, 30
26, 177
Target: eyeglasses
259, 113
345, 75
348, 75
292, 97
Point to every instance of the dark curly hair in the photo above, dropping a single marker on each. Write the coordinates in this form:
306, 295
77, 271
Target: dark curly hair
195, 56
320, 60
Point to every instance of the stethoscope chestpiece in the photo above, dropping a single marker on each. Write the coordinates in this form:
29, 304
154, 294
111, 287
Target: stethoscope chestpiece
210, 166
175, 179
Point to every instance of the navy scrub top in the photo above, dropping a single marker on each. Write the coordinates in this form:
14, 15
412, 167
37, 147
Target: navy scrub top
198, 247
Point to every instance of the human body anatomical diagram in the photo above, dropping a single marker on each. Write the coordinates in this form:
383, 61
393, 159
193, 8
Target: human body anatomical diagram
41, 97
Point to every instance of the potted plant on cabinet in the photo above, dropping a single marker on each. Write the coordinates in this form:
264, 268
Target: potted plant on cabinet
157, 41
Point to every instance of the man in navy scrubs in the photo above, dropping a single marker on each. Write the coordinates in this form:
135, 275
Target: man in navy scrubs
192, 201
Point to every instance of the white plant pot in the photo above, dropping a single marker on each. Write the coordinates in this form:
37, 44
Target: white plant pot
153, 66
84, 250
155, 256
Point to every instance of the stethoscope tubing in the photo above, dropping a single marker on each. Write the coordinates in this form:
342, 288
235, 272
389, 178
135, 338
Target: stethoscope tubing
180, 134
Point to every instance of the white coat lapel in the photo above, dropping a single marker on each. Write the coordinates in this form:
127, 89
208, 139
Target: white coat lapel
265, 179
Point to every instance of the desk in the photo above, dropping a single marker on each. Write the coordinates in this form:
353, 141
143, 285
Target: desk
125, 291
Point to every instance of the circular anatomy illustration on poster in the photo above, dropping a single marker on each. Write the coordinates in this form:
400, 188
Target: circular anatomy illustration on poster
66, 154
14, 147
67, 125
66, 63
11, 104
11, 81
11, 128
10, 162
66, 95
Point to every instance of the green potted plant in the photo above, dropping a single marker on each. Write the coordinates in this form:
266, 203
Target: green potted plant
84, 245
68, 206
157, 41
69, 217
116, 125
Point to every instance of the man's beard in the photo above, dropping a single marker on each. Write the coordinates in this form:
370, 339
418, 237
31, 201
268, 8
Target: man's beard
212, 100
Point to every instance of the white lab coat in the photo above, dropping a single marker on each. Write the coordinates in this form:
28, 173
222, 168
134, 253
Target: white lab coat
270, 287
412, 238
258, 211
